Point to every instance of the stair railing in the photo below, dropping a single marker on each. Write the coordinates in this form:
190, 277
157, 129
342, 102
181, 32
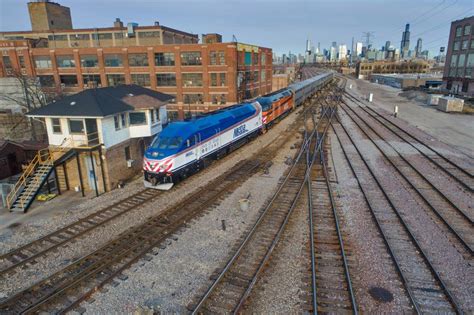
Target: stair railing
42, 157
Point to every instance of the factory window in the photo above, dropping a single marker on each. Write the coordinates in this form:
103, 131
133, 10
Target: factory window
114, 60
461, 60
191, 58
138, 60
7, 62
166, 79
142, 79
21, 59
192, 79
262, 76
456, 45
46, 80
76, 126
465, 44
222, 79
467, 29
470, 60
65, 61
57, 37
223, 99
137, 118
472, 43
214, 99
56, 125
221, 58
193, 99
255, 76
118, 35
42, 62
213, 58
454, 60
213, 79
255, 58
452, 72
91, 80
79, 37
164, 59
127, 153
89, 61
101, 36
172, 115
117, 122
465, 86
458, 31
149, 34
115, 79
68, 80
264, 59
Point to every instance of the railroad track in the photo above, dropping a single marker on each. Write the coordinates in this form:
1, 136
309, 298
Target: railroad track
67, 288
331, 284
458, 173
234, 283
425, 288
25, 254
30, 252
455, 219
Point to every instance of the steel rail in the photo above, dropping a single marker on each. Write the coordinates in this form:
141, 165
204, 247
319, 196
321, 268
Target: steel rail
420, 194
376, 219
305, 146
287, 217
421, 141
145, 232
433, 271
339, 235
378, 117
73, 230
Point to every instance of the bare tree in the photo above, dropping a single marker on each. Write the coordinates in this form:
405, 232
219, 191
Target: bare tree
29, 95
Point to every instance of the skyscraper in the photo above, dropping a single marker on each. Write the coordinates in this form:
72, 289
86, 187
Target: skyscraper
405, 44
418, 48
358, 49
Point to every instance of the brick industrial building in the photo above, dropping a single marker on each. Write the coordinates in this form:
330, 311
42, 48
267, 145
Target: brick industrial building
458, 73
202, 77
364, 70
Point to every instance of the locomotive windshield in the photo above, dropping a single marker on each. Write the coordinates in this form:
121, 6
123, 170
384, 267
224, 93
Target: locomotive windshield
166, 143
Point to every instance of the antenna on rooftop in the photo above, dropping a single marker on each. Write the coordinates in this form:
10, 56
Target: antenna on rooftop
234, 39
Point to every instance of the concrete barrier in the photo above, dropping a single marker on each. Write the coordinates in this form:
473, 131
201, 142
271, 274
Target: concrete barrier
450, 104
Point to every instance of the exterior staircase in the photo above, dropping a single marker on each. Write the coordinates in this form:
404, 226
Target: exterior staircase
33, 178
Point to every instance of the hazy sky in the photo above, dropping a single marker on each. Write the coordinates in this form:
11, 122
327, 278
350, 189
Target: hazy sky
281, 25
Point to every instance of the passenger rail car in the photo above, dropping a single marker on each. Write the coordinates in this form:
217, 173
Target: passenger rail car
184, 147
275, 105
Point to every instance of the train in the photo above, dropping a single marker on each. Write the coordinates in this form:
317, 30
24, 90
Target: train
185, 147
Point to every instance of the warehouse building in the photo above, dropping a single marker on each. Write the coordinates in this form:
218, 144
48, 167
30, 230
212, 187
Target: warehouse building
458, 74
364, 70
201, 77
408, 80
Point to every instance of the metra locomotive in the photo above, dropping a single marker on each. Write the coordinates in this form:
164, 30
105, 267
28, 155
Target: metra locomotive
184, 147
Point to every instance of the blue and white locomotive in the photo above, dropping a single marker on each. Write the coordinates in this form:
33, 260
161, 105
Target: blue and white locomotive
184, 147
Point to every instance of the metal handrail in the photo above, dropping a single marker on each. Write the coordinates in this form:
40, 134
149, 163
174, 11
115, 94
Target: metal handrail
42, 157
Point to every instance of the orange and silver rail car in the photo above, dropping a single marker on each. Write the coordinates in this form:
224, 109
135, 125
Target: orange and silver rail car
275, 105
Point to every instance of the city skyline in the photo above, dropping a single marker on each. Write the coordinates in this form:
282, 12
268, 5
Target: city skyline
431, 22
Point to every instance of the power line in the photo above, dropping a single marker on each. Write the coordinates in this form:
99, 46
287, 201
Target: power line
432, 9
442, 9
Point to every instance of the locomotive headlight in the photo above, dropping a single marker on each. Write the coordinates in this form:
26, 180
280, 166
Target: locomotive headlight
154, 154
